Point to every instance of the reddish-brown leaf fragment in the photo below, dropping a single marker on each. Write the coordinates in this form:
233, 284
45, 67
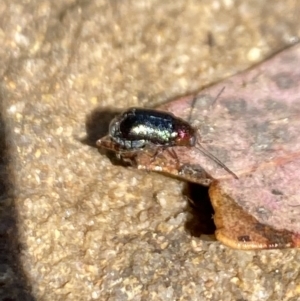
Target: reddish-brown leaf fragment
268, 196
238, 229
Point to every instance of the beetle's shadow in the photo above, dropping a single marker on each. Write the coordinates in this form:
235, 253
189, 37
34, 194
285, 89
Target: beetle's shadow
97, 126
200, 218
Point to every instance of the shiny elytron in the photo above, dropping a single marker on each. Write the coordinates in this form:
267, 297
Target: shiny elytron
137, 128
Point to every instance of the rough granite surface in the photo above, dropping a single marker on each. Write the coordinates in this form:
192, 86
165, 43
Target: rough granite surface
74, 226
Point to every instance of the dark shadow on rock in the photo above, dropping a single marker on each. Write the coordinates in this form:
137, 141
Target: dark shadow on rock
97, 125
200, 221
14, 284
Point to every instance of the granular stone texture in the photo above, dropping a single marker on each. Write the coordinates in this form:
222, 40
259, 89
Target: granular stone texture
90, 228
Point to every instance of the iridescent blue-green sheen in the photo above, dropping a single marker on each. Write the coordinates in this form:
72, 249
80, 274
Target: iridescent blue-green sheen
136, 128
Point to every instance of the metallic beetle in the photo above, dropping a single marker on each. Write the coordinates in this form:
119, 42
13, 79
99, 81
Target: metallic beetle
136, 128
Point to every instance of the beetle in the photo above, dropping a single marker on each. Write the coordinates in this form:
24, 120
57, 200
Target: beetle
138, 128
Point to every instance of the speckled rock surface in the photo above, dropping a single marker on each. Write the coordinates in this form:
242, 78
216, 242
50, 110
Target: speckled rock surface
91, 230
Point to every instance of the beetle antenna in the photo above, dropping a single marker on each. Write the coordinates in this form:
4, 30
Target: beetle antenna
211, 105
192, 108
215, 159
216, 98
200, 147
